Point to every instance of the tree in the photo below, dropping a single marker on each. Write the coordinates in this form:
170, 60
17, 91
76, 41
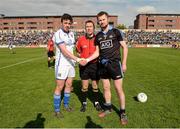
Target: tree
121, 26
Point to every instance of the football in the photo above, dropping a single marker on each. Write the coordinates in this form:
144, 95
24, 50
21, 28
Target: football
142, 97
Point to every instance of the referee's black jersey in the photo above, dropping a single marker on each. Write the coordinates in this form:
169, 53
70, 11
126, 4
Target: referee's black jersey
109, 43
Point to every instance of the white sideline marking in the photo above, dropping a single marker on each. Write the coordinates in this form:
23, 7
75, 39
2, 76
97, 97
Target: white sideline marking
21, 62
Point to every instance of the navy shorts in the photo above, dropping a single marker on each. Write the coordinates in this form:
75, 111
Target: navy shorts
90, 71
112, 70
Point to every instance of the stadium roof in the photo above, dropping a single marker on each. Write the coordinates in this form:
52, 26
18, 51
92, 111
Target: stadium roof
158, 14
51, 16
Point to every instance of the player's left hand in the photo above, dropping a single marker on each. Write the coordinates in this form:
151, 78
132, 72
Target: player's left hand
124, 67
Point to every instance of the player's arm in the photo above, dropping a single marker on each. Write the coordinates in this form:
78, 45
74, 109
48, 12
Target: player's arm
67, 53
61, 45
94, 55
125, 54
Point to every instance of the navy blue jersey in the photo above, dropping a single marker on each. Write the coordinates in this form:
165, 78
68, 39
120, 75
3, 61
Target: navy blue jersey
109, 44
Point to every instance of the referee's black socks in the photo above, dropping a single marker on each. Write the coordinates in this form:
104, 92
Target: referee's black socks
95, 96
84, 96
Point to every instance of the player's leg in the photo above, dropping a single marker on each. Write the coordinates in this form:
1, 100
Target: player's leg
13, 50
54, 58
68, 87
84, 75
57, 97
49, 59
118, 83
49, 62
120, 93
94, 75
10, 48
121, 96
61, 73
67, 93
96, 95
51, 56
84, 92
107, 96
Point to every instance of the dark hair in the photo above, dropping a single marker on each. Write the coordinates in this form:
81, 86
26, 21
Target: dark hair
102, 13
66, 16
89, 21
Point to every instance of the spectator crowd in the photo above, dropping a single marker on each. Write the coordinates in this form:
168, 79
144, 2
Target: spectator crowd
131, 36
25, 38
155, 37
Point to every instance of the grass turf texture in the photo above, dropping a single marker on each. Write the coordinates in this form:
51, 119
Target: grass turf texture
26, 92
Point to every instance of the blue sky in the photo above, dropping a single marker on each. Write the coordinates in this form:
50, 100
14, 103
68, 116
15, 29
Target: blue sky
126, 10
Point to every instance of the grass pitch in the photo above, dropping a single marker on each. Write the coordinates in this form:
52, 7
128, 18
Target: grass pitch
27, 85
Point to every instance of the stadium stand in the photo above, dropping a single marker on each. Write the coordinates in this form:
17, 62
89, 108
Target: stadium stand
28, 38
25, 38
155, 37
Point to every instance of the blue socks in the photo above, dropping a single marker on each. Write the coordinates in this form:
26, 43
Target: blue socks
66, 99
57, 102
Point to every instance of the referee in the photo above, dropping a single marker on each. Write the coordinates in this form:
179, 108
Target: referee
85, 48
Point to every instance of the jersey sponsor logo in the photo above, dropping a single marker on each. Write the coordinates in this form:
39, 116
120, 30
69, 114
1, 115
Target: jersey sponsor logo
106, 44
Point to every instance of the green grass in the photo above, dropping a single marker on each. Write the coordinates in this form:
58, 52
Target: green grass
26, 92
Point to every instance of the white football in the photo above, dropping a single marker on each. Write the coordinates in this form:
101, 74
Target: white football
142, 97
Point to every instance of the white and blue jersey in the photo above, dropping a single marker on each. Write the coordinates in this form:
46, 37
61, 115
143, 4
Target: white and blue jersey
61, 37
64, 66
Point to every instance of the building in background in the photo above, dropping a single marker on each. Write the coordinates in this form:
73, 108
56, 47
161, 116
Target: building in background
46, 22
157, 21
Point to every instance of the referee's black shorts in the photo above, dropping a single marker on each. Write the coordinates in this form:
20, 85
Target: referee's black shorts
112, 70
50, 54
89, 71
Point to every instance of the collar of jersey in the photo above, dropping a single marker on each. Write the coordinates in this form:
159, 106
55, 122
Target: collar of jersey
89, 37
65, 31
109, 28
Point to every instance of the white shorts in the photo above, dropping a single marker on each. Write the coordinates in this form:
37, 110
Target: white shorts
10, 47
63, 72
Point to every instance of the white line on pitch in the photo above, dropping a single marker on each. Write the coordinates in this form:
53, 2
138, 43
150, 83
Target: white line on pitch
21, 62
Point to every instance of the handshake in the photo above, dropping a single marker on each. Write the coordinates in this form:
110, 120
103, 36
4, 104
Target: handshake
82, 61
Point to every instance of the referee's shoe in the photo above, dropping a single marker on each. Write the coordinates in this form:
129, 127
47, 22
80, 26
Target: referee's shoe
98, 107
83, 108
